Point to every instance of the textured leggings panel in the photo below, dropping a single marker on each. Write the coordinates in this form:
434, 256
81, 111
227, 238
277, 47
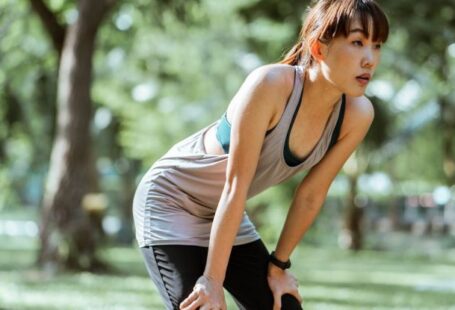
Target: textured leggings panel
175, 268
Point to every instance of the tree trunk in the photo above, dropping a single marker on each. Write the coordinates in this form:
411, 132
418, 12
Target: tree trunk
448, 129
126, 234
53, 28
12, 114
128, 170
354, 217
67, 234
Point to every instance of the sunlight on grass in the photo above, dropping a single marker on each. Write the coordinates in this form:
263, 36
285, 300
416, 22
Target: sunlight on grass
335, 279
330, 279
83, 291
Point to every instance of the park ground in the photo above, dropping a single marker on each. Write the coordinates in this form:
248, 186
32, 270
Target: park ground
330, 279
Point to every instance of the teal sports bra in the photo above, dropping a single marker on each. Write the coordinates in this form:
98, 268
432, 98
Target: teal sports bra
223, 134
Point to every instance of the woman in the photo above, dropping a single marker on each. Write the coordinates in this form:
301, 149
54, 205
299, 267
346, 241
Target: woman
308, 112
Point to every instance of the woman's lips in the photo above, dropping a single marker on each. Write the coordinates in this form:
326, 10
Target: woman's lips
363, 79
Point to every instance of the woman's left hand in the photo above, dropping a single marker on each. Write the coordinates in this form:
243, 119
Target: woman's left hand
282, 282
206, 295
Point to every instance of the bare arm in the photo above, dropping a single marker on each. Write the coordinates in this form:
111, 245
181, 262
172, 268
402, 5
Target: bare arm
253, 108
312, 191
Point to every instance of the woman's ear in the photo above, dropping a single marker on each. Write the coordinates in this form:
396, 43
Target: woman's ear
318, 50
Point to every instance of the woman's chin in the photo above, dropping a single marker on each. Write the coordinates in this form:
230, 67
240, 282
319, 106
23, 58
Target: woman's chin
355, 93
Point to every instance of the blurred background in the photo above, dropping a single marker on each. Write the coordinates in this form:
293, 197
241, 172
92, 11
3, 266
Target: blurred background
92, 92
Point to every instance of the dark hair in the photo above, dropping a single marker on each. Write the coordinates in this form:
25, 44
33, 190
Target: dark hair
328, 19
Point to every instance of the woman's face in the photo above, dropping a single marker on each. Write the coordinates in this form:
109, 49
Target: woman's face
349, 62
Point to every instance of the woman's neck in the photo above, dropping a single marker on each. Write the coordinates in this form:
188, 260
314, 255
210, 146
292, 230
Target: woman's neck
319, 93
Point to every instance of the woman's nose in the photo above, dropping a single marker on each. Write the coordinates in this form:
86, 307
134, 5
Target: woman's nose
368, 58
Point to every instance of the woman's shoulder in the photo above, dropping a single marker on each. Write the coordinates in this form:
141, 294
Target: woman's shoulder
359, 114
360, 107
275, 77
266, 88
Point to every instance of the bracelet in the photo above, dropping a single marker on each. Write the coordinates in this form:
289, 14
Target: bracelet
280, 264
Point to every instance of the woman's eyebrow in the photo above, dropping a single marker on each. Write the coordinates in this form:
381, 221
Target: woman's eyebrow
357, 30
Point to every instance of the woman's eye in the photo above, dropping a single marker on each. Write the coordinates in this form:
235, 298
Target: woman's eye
378, 46
357, 43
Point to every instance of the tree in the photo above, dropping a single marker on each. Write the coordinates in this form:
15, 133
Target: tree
68, 233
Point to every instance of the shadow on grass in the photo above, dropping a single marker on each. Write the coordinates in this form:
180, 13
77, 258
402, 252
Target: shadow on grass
364, 281
121, 260
368, 295
311, 301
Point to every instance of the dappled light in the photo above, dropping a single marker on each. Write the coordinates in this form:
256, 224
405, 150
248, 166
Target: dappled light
93, 93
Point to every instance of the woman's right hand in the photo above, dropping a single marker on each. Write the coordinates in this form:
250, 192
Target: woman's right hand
206, 295
282, 282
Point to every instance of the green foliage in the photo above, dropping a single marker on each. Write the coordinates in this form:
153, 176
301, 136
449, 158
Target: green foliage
420, 150
164, 69
167, 75
27, 84
415, 68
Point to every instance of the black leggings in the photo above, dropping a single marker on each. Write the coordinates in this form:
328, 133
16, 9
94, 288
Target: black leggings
175, 268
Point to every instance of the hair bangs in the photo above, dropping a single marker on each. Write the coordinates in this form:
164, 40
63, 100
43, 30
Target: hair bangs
371, 18
328, 19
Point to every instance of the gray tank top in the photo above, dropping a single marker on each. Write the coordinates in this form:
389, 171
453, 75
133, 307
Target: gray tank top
176, 199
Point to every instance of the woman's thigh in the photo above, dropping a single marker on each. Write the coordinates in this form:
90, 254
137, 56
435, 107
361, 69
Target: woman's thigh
246, 278
174, 269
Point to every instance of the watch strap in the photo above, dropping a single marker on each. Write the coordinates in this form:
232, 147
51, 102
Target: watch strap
280, 264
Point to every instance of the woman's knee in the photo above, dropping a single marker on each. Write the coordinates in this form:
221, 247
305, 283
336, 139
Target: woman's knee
289, 302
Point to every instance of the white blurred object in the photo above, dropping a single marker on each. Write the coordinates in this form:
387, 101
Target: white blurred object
111, 225
16, 228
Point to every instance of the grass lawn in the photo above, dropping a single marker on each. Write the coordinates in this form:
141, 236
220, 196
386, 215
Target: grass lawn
330, 279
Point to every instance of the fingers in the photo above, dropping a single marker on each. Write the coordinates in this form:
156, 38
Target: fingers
195, 305
283, 286
297, 295
295, 291
202, 304
209, 307
199, 300
189, 300
277, 300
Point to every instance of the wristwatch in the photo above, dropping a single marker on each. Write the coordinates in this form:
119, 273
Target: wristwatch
280, 264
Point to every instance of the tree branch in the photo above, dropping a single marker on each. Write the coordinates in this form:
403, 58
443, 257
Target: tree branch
54, 29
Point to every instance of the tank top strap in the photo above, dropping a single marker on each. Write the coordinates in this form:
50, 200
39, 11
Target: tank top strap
294, 98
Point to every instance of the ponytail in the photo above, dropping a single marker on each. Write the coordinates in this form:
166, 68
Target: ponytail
294, 55
298, 55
